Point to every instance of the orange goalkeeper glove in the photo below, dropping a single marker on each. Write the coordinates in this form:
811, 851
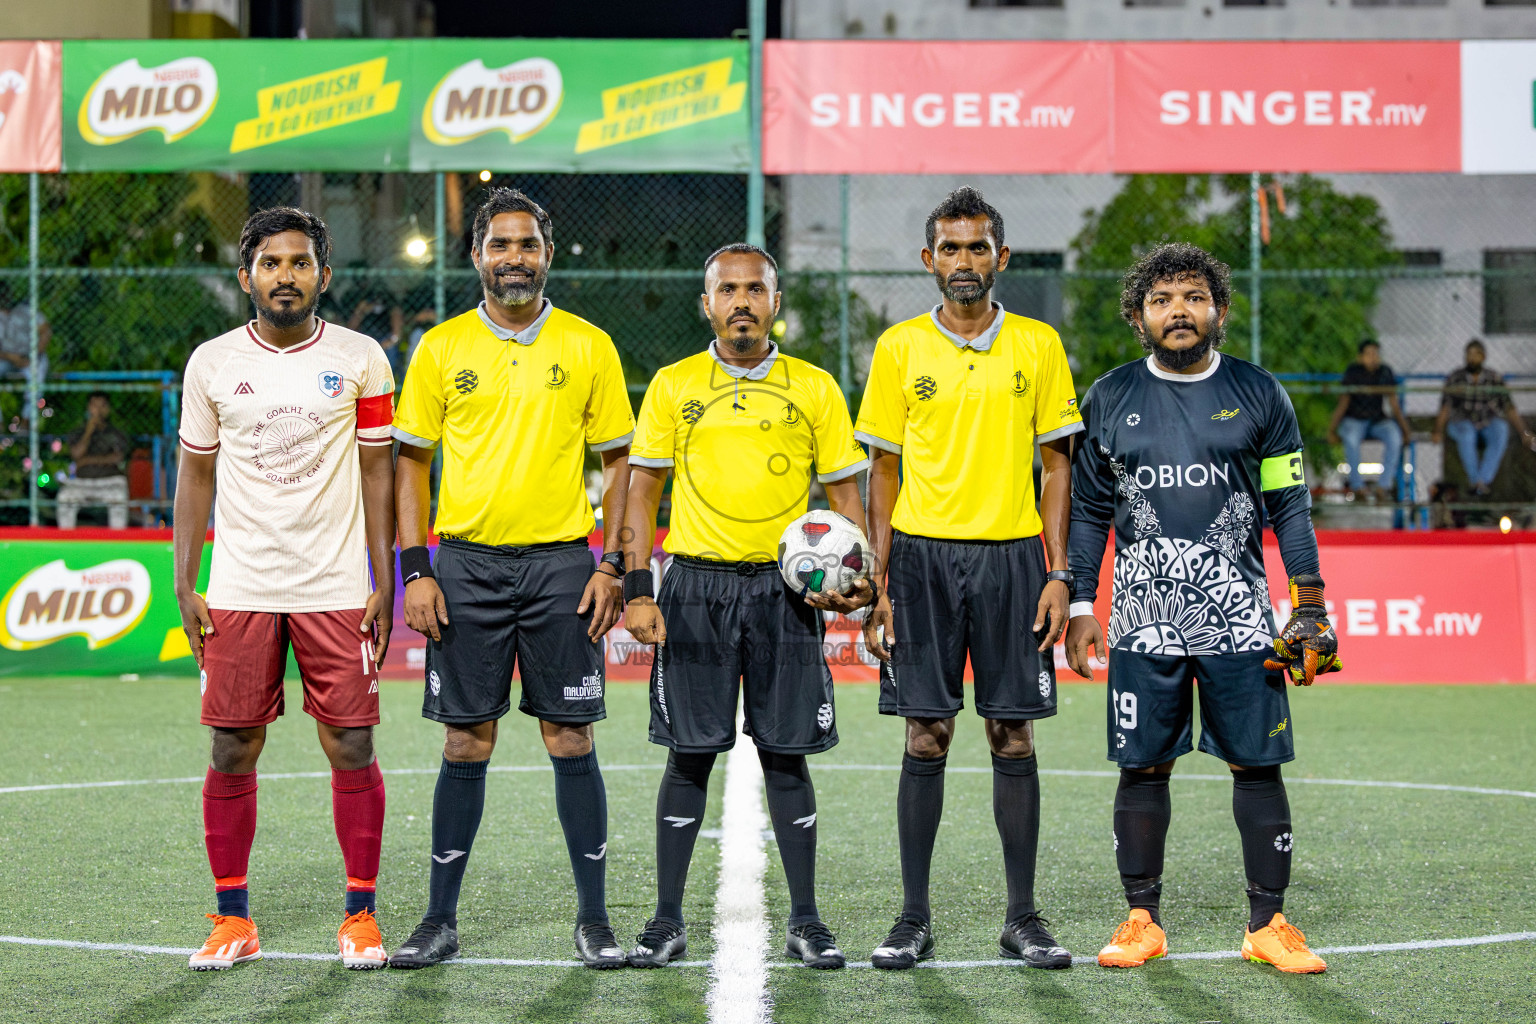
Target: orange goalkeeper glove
1308, 646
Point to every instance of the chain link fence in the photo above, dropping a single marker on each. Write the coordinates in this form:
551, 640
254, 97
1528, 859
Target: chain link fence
132, 271
1423, 263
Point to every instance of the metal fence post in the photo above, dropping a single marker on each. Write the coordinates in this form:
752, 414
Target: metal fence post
844, 367
757, 28
440, 247
1255, 256
33, 384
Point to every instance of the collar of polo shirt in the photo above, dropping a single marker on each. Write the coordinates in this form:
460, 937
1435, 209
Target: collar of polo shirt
983, 341
527, 335
758, 372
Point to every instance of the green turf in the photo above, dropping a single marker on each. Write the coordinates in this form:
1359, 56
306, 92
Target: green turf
1372, 865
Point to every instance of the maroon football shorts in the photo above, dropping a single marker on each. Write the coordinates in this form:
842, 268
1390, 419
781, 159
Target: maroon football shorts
243, 662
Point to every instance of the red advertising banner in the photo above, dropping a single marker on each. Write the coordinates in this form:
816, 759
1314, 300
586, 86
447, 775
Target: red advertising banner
31, 97
1236, 107
840, 107
1441, 607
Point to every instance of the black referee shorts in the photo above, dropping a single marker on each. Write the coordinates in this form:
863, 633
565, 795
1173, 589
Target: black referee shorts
511, 605
731, 624
953, 598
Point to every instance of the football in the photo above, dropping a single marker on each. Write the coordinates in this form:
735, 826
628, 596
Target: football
822, 553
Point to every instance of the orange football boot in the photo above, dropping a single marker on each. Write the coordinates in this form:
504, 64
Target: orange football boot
1136, 941
362, 947
233, 941
1281, 944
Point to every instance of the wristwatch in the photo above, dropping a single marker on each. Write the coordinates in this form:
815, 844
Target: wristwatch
616, 560
1062, 575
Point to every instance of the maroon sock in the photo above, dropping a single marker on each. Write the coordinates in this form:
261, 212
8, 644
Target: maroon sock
357, 804
229, 827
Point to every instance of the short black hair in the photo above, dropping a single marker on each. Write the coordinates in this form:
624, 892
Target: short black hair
746, 248
964, 201
510, 200
98, 393
263, 224
1476, 343
1366, 343
1169, 262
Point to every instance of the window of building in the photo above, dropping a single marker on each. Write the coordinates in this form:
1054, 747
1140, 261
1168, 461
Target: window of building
1509, 291
1253, 3
1421, 259
1397, 3
1509, 3
1154, 3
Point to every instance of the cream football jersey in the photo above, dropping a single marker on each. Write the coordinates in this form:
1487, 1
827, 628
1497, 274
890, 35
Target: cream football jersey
288, 521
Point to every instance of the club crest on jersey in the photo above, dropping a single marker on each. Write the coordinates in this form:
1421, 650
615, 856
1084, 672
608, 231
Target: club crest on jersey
925, 388
692, 411
556, 378
1020, 383
824, 717
791, 415
330, 383
466, 381
1226, 414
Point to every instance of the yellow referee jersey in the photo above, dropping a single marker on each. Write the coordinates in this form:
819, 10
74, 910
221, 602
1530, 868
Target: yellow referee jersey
512, 412
743, 446
965, 417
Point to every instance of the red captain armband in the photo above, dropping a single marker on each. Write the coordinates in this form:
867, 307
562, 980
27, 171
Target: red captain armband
375, 412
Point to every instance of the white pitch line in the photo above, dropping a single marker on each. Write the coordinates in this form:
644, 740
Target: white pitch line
738, 990
1422, 945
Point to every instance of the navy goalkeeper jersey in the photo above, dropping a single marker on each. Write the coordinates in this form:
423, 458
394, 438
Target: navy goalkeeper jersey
1180, 466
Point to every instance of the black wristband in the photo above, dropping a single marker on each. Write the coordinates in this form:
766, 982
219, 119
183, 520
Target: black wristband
638, 583
415, 564
614, 560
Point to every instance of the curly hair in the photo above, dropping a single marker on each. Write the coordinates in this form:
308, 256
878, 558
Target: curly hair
964, 201
510, 200
1172, 261
263, 224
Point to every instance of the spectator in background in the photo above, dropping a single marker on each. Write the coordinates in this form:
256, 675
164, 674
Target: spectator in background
100, 452
422, 317
376, 313
1475, 407
16, 336
1370, 392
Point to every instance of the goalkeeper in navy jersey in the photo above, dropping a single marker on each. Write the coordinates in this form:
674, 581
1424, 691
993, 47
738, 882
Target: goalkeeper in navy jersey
1187, 454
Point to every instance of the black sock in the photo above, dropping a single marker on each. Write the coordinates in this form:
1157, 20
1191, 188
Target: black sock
234, 903
792, 806
679, 813
359, 899
1016, 809
456, 808
1263, 816
919, 806
582, 804
1142, 813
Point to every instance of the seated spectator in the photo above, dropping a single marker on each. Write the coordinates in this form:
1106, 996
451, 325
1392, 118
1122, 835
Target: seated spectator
100, 452
1475, 407
1370, 393
16, 336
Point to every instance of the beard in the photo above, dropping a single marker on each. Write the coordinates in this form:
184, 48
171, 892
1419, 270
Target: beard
285, 317
1177, 359
742, 343
513, 289
965, 288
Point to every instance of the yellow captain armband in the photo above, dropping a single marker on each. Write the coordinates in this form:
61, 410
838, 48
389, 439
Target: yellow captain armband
1281, 471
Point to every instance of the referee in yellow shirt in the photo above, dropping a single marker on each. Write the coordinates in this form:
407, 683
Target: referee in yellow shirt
512, 390
958, 398
744, 429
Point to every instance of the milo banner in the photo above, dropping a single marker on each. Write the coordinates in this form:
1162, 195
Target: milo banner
420, 105
98, 607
